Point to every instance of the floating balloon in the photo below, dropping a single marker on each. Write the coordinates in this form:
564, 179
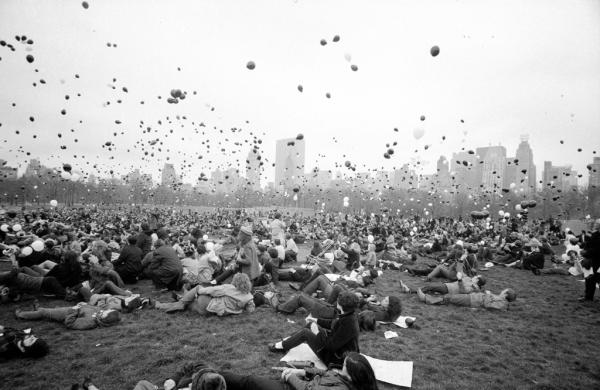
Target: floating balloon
300, 137
67, 167
4, 228
501, 213
26, 251
29, 58
418, 132
518, 207
17, 228
300, 88
336, 38
512, 186
250, 65
38, 245
85, 5
435, 51
354, 67
348, 57
371, 239
295, 197
53, 203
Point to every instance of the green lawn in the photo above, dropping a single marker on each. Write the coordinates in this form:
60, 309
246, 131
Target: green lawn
547, 340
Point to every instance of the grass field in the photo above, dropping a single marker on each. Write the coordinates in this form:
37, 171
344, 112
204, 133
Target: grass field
547, 340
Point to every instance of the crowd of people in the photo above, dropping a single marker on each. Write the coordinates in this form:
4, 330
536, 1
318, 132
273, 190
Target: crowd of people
230, 262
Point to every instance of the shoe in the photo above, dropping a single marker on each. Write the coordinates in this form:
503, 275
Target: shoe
148, 303
213, 282
273, 348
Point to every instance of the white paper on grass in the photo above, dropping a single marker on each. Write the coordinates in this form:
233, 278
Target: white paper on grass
390, 334
401, 321
392, 372
332, 277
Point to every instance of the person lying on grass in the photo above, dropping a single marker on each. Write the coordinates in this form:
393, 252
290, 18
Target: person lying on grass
192, 376
329, 339
485, 300
225, 299
79, 317
464, 285
16, 343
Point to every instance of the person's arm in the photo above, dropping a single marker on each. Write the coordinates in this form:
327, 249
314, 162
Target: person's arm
341, 336
324, 323
73, 321
250, 307
245, 257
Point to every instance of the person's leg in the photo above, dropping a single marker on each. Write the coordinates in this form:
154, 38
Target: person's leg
438, 288
199, 305
109, 287
319, 283
590, 286
115, 278
291, 305
54, 314
226, 274
320, 309
336, 290
50, 285
437, 272
47, 265
251, 382
29, 271
458, 299
305, 335
39, 270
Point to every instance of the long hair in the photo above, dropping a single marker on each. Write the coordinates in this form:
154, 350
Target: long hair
242, 282
360, 372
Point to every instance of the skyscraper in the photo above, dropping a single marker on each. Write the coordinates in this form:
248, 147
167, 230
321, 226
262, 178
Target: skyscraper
594, 170
563, 178
289, 162
443, 172
492, 166
168, 176
253, 163
526, 175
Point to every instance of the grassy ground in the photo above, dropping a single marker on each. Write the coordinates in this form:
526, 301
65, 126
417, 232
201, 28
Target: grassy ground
547, 340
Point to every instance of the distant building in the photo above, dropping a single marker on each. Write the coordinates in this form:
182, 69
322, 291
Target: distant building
36, 169
404, 178
168, 176
253, 164
319, 179
510, 173
6, 172
289, 162
594, 171
466, 171
491, 167
555, 177
526, 170
443, 173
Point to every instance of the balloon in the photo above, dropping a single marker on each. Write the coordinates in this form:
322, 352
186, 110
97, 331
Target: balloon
17, 228
336, 38
300, 137
435, 51
346, 199
296, 189
418, 132
85, 5
354, 67
300, 88
518, 207
67, 167
295, 197
348, 57
26, 251
501, 213
53, 203
65, 175
205, 237
371, 239
250, 65
38, 245
4, 228
512, 185
506, 215
29, 58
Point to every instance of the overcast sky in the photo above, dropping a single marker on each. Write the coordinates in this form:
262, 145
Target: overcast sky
505, 67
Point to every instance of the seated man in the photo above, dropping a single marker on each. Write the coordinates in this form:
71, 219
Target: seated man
330, 340
16, 280
291, 249
129, 263
79, 317
20, 343
486, 300
163, 266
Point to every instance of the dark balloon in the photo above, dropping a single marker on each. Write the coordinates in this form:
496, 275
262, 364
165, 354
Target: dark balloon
354, 67
323, 42
29, 58
300, 137
300, 88
435, 51
67, 167
85, 5
250, 65
336, 38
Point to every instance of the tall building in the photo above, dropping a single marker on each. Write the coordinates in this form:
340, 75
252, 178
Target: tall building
443, 172
510, 173
491, 167
168, 176
556, 177
289, 162
466, 171
253, 164
404, 178
526, 175
594, 170
216, 181
319, 178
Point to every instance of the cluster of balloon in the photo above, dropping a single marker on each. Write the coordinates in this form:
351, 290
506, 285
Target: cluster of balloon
480, 214
346, 201
528, 204
176, 96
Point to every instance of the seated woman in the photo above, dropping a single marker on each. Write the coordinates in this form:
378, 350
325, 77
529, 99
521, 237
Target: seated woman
329, 339
221, 300
486, 300
356, 373
80, 317
20, 343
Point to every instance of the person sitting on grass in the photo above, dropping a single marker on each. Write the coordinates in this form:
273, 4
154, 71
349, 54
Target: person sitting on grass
329, 339
356, 374
485, 300
16, 343
129, 263
225, 299
163, 266
291, 249
80, 317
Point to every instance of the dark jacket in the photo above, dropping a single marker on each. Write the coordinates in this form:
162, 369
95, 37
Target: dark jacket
67, 275
342, 338
8, 344
591, 249
130, 260
144, 242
